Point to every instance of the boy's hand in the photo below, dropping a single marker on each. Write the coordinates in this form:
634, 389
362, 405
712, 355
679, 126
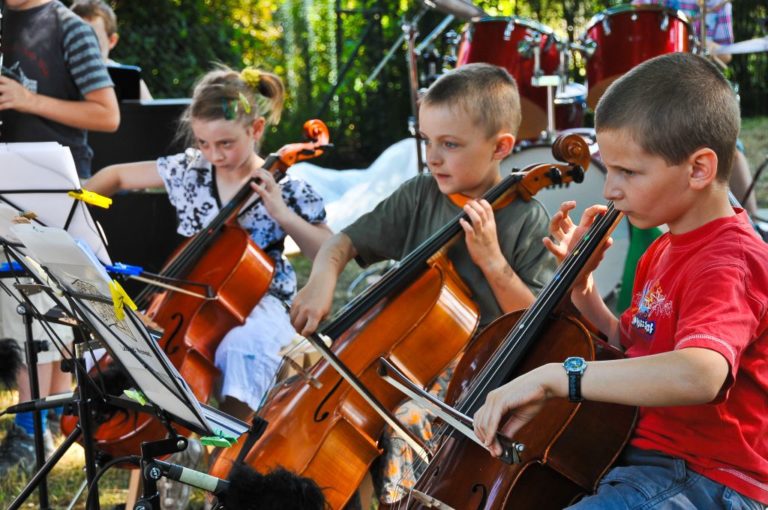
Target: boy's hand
271, 195
311, 305
568, 234
480, 233
518, 401
13, 95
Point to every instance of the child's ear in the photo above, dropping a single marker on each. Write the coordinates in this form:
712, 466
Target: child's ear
259, 123
504, 144
703, 170
113, 40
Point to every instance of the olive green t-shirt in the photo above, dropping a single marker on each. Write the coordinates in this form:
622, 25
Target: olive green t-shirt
417, 209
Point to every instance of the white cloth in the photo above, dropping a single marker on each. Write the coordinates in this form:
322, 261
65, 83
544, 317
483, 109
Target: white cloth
248, 356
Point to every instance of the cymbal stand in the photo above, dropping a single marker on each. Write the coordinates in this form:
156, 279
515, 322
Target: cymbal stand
409, 33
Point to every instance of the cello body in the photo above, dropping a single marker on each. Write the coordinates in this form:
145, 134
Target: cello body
419, 316
329, 433
239, 273
568, 446
230, 274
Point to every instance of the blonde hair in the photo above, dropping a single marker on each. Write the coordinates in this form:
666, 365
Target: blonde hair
242, 97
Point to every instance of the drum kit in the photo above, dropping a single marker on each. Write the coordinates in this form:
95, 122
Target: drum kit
614, 41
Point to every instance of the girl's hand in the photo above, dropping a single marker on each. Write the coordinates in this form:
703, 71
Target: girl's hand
271, 195
480, 233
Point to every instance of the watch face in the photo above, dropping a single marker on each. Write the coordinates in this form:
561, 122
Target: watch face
574, 364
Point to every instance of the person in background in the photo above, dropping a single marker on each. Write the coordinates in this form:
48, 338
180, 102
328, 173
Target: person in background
103, 20
53, 88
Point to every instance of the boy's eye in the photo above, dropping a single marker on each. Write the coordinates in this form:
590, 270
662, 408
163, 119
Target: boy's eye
451, 145
627, 172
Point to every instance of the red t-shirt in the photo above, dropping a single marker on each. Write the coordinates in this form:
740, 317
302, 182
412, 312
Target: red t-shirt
708, 288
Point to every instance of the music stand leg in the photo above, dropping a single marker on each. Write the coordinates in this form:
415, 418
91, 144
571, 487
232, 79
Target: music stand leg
83, 412
25, 310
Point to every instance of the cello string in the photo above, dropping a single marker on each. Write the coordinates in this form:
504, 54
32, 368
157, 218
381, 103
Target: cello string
548, 299
510, 343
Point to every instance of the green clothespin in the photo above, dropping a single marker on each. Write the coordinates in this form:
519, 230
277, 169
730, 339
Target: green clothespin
136, 395
219, 440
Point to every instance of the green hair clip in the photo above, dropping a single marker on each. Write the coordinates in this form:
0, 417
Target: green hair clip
230, 107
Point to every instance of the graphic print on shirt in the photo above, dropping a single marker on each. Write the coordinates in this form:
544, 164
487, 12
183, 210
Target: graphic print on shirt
651, 305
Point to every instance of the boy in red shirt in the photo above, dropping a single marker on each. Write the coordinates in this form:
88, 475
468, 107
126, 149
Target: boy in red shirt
695, 334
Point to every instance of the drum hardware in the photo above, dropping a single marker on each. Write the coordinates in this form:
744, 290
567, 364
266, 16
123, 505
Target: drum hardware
509, 29
586, 47
462, 10
409, 34
664, 25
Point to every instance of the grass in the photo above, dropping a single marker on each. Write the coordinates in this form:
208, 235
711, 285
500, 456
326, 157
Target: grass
68, 474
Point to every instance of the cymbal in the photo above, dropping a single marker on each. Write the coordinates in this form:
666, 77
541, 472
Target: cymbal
461, 9
750, 46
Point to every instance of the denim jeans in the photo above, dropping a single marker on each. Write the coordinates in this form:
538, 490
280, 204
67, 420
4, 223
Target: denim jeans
645, 480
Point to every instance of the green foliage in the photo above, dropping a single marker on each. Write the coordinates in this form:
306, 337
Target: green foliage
325, 51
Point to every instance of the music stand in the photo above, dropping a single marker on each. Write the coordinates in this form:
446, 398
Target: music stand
38, 176
87, 294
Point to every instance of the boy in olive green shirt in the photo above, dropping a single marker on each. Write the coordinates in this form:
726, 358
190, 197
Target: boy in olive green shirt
468, 119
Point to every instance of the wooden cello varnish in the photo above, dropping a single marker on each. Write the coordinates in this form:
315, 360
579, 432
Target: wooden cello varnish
419, 316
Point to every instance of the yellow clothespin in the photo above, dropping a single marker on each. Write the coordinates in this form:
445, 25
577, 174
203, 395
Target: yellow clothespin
119, 299
90, 197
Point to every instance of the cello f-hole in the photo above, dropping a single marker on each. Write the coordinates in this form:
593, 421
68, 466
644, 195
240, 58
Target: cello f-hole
319, 409
483, 490
170, 347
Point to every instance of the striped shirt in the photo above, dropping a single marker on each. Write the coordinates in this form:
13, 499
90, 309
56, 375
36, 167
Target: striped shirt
51, 52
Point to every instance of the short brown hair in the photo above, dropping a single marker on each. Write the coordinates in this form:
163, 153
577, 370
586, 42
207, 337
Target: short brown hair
486, 92
674, 105
89, 9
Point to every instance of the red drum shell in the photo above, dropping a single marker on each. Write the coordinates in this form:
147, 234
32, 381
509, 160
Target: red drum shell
628, 35
496, 41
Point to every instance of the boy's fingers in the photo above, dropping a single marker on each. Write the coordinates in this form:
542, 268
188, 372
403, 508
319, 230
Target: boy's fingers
589, 215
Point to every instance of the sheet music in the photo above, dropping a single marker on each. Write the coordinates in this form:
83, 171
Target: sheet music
49, 166
77, 270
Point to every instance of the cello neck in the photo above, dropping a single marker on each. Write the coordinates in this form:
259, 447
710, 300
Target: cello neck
203, 239
411, 266
529, 327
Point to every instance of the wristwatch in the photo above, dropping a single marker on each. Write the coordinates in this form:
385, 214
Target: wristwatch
575, 367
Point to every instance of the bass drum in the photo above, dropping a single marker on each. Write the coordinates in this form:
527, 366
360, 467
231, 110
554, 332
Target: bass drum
608, 274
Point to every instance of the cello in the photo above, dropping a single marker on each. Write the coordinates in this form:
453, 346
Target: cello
325, 425
567, 448
234, 272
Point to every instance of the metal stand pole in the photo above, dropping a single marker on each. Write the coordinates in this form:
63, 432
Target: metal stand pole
410, 33
31, 346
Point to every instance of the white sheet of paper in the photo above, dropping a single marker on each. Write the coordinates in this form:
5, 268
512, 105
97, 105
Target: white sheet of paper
48, 166
78, 270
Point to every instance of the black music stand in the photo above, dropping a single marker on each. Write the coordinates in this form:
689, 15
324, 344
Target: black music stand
79, 284
41, 176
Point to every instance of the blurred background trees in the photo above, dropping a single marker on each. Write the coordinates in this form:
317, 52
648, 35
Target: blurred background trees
325, 51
